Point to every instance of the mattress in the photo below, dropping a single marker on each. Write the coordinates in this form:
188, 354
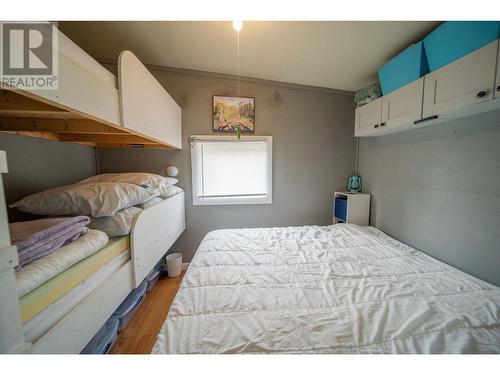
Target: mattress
49, 292
43, 269
333, 289
48, 317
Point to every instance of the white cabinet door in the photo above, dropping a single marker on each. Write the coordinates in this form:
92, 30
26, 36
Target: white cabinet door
466, 81
402, 107
497, 83
368, 118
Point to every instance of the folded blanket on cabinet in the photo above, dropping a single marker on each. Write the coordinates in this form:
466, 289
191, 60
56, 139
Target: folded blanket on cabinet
37, 238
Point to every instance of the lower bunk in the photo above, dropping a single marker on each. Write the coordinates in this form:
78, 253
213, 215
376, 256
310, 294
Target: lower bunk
47, 304
63, 308
76, 328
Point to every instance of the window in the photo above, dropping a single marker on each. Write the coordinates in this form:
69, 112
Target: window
228, 171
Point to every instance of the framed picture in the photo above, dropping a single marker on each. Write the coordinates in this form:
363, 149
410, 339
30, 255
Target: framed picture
229, 112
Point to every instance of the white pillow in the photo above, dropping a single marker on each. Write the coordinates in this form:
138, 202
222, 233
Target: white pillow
94, 199
117, 225
148, 180
169, 191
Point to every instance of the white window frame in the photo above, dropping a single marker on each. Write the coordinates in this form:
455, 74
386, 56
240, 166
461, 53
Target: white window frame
197, 177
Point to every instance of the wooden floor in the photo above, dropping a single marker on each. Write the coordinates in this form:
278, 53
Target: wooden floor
139, 335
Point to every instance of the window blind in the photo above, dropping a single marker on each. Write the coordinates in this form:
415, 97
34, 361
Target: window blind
234, 169
227, 171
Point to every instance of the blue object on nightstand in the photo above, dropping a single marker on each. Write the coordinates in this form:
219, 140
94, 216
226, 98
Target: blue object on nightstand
341, 208
354, 184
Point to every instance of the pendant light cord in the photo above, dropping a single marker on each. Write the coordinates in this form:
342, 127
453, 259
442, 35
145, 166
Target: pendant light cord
238, 49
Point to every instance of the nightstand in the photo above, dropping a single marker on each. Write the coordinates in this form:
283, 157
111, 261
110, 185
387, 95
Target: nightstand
352, 208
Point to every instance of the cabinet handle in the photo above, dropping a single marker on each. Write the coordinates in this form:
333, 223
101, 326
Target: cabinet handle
375, 126
382, 124
481, 94
425, 120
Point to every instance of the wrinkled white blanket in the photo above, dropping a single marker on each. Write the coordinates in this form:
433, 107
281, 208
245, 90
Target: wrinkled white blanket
334, 289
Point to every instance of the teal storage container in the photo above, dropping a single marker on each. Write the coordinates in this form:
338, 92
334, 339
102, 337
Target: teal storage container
408, 66
104, 339
455, 39
128, 308
152, 279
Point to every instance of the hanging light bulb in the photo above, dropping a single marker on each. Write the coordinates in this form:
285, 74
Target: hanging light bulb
237, 25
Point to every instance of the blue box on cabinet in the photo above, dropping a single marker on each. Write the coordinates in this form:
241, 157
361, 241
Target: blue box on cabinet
455, 39
408, 66
341, 208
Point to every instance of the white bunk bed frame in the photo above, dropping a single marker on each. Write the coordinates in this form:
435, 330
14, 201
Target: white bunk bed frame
149, 242
148, 245
93, 108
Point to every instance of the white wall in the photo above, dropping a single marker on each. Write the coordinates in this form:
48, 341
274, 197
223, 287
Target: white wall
313, 152
437, 189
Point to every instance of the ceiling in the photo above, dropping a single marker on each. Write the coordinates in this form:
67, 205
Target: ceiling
338, 55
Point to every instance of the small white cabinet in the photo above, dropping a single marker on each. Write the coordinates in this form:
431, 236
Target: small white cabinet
368, 118
466, 81
353, 208
401, 108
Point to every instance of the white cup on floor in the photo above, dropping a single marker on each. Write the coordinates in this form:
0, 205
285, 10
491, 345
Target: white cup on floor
174, 264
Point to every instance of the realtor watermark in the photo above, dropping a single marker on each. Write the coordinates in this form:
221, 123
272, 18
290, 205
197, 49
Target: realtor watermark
29, 55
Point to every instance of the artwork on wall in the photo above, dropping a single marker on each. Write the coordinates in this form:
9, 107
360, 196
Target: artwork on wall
229, 112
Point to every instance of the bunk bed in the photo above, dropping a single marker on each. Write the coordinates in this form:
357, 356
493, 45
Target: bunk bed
93, 107
90, 107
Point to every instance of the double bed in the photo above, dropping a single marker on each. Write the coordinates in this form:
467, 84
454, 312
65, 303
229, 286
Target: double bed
334, 289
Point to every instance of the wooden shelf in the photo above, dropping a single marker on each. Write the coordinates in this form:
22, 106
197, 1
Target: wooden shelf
21, 113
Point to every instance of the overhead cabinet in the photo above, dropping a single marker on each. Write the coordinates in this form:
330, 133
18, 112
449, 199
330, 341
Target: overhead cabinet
392, 112
402, 108
464, 82
368, 118
462, 88
91, 106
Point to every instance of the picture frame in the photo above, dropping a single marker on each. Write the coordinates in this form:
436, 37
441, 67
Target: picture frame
230, 111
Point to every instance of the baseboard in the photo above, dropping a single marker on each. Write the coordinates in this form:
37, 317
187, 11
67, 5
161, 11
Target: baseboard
185, 266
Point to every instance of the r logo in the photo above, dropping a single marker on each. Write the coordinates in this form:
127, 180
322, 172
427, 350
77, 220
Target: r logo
27, 49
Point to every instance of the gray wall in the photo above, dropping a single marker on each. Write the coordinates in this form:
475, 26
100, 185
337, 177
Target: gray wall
437, 189
38, 164
313, 152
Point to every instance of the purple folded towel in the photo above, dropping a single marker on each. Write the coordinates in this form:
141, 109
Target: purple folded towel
37, 238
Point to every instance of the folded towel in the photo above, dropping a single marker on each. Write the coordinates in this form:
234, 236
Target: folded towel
38, 238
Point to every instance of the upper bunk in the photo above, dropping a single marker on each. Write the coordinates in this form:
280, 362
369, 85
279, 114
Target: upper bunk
93, 107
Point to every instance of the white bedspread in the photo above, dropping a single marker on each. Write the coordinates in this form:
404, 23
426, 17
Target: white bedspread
334, 289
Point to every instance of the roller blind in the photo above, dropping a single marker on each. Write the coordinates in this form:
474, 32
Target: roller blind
232, 172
